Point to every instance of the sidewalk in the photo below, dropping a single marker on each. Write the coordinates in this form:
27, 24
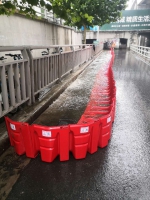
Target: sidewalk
30, 113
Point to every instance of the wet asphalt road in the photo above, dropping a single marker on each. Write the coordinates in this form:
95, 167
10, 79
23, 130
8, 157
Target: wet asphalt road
119, 171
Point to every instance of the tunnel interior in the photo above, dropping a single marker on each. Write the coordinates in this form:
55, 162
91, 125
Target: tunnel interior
90, 41
123, 43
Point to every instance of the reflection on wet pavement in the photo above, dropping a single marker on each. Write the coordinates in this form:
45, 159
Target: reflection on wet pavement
119, 171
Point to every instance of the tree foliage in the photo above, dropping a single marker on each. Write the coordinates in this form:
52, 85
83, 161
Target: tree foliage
88, 12
26, 7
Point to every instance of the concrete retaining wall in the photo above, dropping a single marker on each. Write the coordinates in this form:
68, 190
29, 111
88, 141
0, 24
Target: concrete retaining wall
19, 30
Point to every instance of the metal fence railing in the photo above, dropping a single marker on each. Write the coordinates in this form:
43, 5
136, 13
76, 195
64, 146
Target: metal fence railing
43, 13
142, 51
49, 15
15, 87
23, 77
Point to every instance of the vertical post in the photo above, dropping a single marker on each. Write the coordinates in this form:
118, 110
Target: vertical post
31, 67
27, 66
39, 73
35, 75
73, 63
22, 81
4, 89
17, 83
11, 85
46, 71
59, 64
42, 72
45, 13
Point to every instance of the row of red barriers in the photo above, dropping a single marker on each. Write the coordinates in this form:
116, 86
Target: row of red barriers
101, 107
92, 131
49, 141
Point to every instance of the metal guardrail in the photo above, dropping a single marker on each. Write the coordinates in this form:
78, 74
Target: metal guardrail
14, 81
49, 15
21, 80
141, 50
43, 13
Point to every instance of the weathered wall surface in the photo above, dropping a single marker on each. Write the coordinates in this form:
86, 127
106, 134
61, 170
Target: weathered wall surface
18, 30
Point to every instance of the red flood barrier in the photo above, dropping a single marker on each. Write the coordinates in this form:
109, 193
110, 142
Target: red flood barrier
93, 130
106, 127
15, 135
101, 134
94, 136
79, 138
51, 142
20, 138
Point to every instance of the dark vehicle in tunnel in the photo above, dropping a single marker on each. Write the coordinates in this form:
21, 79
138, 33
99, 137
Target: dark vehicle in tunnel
107, 46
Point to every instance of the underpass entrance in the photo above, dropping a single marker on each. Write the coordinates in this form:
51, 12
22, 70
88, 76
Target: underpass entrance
123, 43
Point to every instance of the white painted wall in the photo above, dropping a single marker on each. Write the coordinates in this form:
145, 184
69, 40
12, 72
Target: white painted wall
18, 30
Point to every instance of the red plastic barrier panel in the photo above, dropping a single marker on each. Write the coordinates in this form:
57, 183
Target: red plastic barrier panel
92, 115
97, 112
94, 136
106, 126
101, 131
79, 139
15, 135
102, 126
95, 91
21, 138
104, 109
51, 142
113, 108
100, 107
100, 93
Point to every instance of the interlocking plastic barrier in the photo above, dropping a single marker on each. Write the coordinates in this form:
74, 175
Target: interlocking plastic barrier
93, 130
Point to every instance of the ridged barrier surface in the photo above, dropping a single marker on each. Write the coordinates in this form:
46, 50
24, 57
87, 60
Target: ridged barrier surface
93, 130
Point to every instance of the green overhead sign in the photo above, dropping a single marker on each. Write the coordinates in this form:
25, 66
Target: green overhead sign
130, 20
